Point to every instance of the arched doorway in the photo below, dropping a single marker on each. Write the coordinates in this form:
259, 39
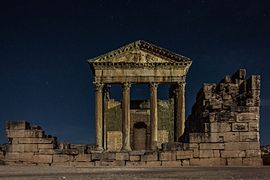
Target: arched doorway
139, 136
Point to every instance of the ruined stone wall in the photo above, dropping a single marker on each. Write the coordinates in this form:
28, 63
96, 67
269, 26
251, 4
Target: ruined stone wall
224, 122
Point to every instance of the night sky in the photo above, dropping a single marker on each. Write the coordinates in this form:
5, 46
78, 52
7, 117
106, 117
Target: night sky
44, 47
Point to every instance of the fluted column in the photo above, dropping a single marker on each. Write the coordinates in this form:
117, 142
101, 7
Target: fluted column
180, 104
99, 115
126, 117
153, 115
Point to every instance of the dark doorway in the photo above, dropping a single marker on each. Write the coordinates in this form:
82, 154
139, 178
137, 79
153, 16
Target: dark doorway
139, 136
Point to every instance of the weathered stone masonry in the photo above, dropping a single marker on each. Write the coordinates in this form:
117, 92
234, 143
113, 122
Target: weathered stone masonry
223, 129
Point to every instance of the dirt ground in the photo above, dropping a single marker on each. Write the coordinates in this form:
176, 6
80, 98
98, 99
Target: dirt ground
36, 172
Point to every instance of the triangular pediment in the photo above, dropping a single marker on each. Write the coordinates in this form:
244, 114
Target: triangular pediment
140, 52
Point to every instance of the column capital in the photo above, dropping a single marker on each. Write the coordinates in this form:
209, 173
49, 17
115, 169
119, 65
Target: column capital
126, 85
153, 84
181, 83
98, 86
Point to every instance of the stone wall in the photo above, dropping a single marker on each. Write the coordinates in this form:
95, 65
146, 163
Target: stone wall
139, 113
223, 129
224, 122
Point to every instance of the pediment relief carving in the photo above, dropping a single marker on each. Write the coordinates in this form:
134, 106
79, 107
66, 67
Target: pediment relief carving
135, 57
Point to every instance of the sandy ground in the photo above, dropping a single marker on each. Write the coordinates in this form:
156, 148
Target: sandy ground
35, 172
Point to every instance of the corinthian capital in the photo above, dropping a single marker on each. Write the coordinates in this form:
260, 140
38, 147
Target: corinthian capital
153, 85
99, 86
181, 84
126, 85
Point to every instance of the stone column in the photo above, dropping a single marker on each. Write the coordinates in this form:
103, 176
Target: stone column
180, 110
153, 115
126, 117
99, 115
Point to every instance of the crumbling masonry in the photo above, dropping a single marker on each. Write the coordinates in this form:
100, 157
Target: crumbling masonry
223, 128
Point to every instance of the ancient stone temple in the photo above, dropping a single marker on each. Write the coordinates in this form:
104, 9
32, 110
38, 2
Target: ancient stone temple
138, 63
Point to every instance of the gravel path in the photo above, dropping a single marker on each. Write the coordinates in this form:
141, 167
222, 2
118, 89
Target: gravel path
36, 172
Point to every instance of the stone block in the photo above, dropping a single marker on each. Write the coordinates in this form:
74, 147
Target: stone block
46, 146
173, 146
15, 148
184, 154
17, 156
207, 162
249, 136
97, 163
212, 138
46, 151
112, 163
196, 137
23, 148
70, 151
30, 147
254, 82
217, 127
15, 133
223, 137
33, 133
135, 163
247, 117
212, 146
212, 117
253, 127
232, 154
137, 153
19, 125
242, 146
193, 146
83, 158
252, 161
108, 156
61, 158
195, 153
163, 137
82, 164
134, 158
96, 156
185, 162
153, 163
234, 161
195, 162
122, 156
150, 157
114, 140
61, 164
171, 163
46, 159
206, 153
253, 153
167, 156
230, 136
239, 126
216, 153
35, 140
225, 117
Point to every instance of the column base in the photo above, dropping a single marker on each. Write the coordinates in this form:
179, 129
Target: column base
126, 149
99, 148
154, 145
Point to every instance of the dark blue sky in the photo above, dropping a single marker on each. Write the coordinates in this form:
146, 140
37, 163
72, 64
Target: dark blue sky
44, 46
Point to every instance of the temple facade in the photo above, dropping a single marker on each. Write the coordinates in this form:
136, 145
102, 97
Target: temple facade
138, 63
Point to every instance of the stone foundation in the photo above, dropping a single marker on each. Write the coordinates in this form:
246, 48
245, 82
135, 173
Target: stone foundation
223, 129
